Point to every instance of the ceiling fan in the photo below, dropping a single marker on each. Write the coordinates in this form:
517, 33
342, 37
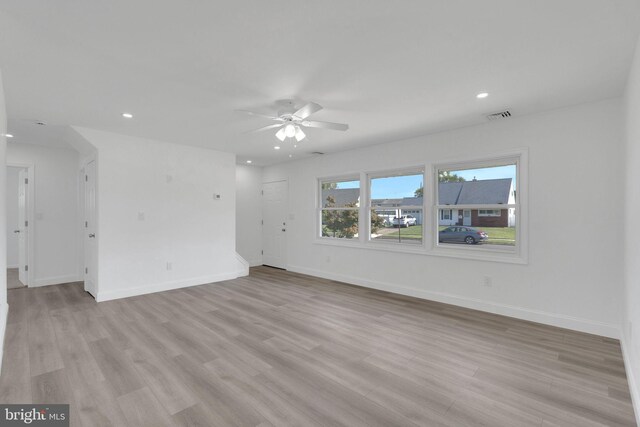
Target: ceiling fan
291, 121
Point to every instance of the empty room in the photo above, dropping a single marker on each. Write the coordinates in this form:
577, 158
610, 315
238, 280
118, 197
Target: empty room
356, 213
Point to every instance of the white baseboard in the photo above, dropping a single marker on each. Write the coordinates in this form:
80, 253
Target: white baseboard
631, 377
165, 286
4, 312
553, 319
47, 281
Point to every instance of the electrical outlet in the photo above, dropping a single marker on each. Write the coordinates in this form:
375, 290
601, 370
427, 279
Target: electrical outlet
169, 266
486, 281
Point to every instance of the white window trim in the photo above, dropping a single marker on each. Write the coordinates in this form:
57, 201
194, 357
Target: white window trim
320, 207
517, 254
430, 245
390, 173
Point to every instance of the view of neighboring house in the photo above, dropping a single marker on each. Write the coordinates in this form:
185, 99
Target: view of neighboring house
390, 208
477, 192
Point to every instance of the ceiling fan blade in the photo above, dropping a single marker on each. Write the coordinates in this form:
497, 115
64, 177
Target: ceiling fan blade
277, 125
307, 110
251, 113
325, 125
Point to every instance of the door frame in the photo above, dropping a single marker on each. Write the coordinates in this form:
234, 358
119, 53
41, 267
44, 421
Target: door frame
82, 208
30, 189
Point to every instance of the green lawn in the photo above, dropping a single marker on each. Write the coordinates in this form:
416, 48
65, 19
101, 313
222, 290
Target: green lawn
497, 235
413, 234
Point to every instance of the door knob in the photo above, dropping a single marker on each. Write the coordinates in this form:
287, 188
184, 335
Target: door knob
16, 231
92, 235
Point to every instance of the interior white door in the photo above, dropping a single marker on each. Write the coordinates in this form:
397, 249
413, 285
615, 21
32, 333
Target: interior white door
274, 228
23, 228
90, 244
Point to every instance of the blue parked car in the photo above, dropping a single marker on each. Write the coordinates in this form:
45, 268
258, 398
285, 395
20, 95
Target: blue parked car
458, 234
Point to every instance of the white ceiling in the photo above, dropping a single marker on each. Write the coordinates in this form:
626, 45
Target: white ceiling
390, 69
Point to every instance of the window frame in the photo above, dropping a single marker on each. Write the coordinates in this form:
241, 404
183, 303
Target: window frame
320, 206
430, 212
515, 254
391, 173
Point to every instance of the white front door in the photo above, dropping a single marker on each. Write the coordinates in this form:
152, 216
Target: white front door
274, 215
466, 217
23, 228
90, 245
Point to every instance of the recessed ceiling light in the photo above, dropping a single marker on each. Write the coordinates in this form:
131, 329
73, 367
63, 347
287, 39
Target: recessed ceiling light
8, 135
127, 115
276, 147
482, 95
249, 161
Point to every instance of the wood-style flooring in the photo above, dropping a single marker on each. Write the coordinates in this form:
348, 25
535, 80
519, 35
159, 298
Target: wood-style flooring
279, 349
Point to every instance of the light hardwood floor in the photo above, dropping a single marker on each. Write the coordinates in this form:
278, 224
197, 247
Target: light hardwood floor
278, 348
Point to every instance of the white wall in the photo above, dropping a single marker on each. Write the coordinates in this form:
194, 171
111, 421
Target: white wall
12, 217
55, 251
4, 308
573, 277
249, 213
156, 206
631, 296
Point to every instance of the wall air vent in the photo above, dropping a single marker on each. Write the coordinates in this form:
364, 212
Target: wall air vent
501, 115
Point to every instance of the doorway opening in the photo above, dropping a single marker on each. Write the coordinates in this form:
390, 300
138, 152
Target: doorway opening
19, 236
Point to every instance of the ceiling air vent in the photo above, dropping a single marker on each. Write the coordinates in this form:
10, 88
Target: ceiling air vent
501, 115
318, 153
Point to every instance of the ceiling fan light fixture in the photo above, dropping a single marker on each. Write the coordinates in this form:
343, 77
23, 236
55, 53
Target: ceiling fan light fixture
281, 134
299, 134
290, 130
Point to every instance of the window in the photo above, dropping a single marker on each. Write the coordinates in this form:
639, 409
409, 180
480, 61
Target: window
396, 207
486, 209
478, 209
489, 212
339, 208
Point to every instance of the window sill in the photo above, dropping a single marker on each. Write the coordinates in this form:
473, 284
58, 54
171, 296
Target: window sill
473, 254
